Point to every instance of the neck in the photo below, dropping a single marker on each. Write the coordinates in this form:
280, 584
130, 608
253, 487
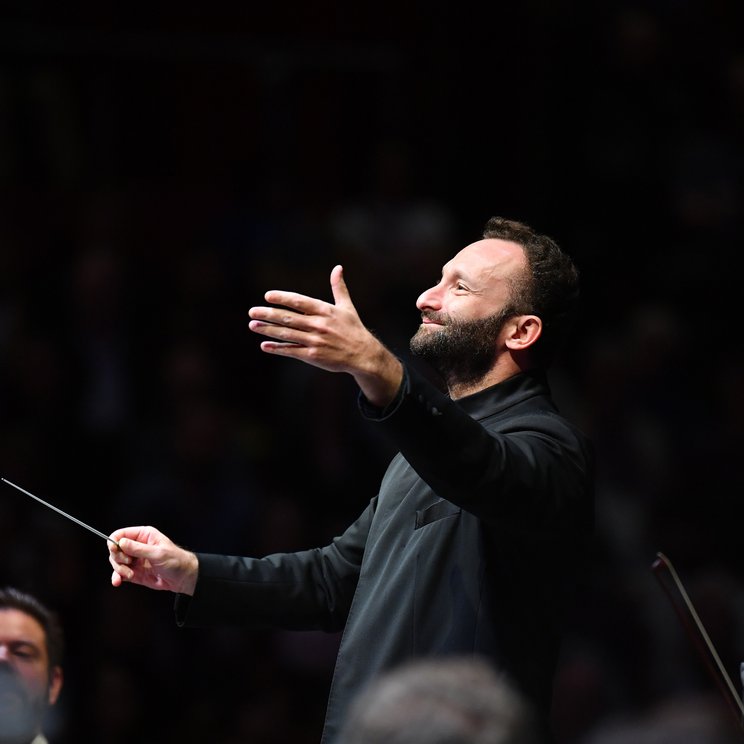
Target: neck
503, 369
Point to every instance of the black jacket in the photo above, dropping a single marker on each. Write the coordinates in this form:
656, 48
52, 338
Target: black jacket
470, 547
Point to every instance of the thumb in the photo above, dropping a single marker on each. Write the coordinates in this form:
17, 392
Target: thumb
135, 549
340, 291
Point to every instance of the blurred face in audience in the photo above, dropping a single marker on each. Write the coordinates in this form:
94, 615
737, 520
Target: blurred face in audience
27, 684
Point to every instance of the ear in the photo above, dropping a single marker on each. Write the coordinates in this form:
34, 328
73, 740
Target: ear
55, 684
522, 331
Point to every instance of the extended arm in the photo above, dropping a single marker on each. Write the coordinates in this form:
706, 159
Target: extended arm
306, 590
524, 466
309, 589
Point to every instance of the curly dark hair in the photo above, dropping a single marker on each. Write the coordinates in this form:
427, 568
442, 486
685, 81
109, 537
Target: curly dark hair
14, 599
550, 288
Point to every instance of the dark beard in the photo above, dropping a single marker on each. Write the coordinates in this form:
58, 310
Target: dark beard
462, 351
19, 714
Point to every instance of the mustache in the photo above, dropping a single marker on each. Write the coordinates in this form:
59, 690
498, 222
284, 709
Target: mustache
435, 317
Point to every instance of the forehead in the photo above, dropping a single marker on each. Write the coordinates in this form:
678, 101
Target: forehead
16, 625
491, 258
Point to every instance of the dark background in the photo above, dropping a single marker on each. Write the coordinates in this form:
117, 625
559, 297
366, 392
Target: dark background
162, 165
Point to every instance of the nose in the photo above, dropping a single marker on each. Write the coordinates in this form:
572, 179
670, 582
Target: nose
431, 299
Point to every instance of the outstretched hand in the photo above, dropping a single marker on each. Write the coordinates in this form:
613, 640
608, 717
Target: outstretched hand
327, 335
330, 336
147, 557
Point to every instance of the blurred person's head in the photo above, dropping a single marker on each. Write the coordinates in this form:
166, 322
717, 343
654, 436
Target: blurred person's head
31, 646
455, 700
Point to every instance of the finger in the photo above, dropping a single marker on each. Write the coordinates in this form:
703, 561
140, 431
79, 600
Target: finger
138, 533
116, 553
283, 317
276, 347
116, 579
123, 572
296, 351
114, 538
340, 291
118, 561
289, 336
293, 300
119, 556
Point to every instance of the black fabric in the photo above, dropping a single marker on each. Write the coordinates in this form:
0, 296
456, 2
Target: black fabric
470, 547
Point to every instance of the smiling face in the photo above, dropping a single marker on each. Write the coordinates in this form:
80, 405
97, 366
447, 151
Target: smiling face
463, 316
27, 685
476, 283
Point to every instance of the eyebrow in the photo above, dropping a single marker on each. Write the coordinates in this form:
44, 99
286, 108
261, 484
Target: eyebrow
23, 643
458, 274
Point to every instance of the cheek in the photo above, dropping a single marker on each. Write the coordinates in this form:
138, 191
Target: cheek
35, 679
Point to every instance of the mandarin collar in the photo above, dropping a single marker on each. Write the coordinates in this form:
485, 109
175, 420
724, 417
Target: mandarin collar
505, 394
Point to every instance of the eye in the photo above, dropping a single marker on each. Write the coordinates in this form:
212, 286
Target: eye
25, 652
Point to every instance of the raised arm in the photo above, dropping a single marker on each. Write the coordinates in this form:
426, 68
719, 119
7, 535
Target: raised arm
330, 336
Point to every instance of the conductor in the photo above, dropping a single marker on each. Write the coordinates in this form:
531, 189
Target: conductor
472, 543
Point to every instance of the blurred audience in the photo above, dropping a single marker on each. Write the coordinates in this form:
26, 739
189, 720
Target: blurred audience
157, 179
31, 648
440, 701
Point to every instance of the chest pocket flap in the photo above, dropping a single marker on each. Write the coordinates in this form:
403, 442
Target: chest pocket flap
437, 511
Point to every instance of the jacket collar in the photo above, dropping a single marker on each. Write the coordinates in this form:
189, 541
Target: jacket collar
505, 394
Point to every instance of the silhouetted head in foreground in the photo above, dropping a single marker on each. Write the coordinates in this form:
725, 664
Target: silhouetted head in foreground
440, 701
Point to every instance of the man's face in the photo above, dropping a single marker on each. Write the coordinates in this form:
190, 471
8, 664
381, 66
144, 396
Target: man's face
464, 314
27, 686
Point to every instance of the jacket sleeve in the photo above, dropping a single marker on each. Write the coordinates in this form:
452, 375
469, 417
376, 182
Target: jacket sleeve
306, 590
530, 470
